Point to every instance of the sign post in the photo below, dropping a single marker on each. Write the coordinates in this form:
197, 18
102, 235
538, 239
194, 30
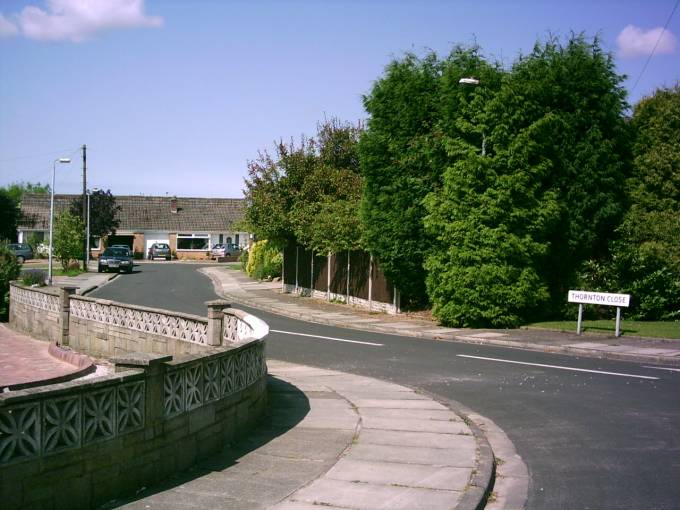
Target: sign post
599, 298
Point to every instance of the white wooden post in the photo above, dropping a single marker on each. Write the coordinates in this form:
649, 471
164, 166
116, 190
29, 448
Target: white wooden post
618, 322
580, 318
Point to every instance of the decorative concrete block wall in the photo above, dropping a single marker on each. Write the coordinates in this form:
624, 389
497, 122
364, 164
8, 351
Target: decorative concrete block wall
79, 444
40, 311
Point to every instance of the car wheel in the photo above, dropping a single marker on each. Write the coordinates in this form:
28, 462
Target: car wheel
99, 269
20, 259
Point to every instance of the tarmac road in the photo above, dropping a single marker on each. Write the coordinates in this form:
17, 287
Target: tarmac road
595, 434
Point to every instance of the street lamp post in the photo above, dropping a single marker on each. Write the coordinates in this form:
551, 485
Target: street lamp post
87, 251
54, 171
474, 82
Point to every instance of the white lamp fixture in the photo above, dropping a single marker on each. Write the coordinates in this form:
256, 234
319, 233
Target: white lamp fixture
474, 81
54, 170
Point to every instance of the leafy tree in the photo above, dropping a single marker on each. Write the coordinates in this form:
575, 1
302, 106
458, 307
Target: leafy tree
10, 203
308, 193
420, 120
17, 189
647, 255
9, 270
68, 238
103, 212
512, 227
9, 212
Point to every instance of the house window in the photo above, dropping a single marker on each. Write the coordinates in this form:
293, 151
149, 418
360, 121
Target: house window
95, 243
193, 241
228, 240
236, 239
221, 239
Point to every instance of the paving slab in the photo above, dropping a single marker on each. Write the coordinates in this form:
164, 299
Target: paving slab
411, 475
369, 496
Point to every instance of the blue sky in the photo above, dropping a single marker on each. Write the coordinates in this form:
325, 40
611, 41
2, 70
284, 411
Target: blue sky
175, 96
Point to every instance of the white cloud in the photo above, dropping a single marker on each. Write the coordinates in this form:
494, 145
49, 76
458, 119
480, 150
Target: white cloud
635, 42
77, 20
7, 28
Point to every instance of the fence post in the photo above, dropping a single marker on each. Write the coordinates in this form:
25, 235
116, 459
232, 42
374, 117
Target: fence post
215, 320
311, 278
283, 270
328, 278
65, 294
297, 251
370, 283
347, 276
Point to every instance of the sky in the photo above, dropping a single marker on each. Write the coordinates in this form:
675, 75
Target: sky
174, 97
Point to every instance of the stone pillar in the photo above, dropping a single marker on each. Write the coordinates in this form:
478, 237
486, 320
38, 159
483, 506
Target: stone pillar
215, 319
65, 294
154, 366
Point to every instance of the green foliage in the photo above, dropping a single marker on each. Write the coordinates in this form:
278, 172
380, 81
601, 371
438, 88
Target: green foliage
511, 228
35, 277
647, 255
9, 212
420, 119
9, 270
243, 259
264, 261
17, 189
68, 238
103, 212
308, 193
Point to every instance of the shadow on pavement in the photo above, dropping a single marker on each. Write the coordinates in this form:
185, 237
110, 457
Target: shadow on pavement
286, 407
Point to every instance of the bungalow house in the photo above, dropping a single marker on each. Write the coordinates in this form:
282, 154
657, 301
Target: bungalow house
191, 226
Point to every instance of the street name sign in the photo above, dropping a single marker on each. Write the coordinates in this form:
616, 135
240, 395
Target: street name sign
584, 297
599, 298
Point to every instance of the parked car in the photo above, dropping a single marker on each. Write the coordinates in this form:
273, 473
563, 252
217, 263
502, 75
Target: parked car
224, 250
124, 246
159, 250
118, 259
22, 251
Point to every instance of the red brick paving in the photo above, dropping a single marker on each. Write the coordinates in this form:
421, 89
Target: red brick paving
24, 360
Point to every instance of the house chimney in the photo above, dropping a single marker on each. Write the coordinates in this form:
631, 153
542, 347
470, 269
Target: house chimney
173, 205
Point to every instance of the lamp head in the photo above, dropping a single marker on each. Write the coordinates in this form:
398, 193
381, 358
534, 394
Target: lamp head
468, 81
64, 160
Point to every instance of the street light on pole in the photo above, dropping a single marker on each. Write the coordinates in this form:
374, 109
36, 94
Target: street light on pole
54, 171
474, 82
87, 251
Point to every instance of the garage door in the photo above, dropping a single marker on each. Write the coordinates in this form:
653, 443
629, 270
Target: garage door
154, 237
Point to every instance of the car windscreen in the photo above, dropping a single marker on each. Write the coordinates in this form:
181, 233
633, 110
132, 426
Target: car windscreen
162, 246
115, 252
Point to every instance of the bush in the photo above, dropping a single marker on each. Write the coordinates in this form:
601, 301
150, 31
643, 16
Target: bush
264, 261
9, 270
244, 260
34, 278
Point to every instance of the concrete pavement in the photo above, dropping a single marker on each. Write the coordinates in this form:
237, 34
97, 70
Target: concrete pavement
339, 441
236, 287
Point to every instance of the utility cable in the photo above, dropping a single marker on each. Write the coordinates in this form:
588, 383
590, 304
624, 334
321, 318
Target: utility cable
655, 46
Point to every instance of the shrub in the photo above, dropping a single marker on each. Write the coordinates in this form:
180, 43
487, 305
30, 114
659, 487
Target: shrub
9, 270
264, 261
244, 260
35, 277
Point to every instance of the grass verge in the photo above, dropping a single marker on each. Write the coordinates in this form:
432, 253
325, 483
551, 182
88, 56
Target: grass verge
654, 329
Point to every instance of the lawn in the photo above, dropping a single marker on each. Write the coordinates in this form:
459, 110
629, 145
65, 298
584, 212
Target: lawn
655, 329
